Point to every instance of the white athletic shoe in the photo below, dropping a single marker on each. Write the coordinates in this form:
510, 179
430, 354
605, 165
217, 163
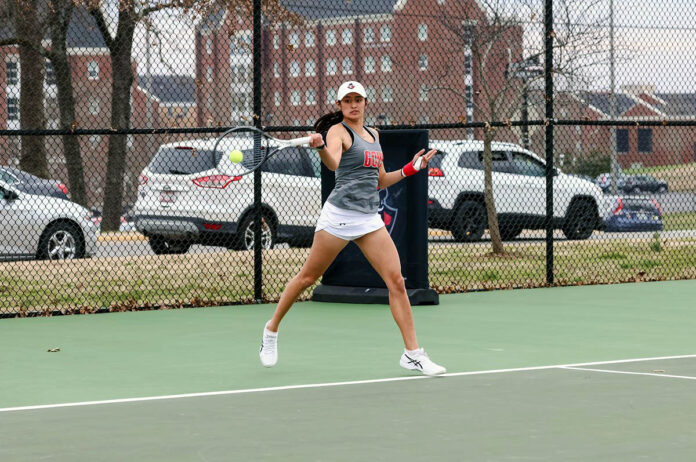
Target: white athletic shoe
419, 361
269, 348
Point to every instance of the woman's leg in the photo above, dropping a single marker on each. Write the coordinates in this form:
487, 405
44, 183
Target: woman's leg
379, 249
324, 250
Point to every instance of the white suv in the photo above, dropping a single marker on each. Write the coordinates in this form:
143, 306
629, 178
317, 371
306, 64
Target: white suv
189, 194
519, 190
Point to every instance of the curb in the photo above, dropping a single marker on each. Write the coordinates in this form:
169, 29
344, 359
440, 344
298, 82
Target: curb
121, 237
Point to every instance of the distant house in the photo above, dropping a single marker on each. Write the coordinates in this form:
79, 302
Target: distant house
173, 99
636, 145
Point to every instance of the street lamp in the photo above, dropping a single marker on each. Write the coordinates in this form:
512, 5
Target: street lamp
525, 70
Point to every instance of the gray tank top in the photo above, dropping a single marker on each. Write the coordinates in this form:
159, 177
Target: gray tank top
357, 175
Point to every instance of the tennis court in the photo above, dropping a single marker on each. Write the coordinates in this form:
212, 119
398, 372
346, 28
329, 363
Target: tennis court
572, 373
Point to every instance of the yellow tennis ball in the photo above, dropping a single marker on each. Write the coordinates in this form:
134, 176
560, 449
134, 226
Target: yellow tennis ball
236, 156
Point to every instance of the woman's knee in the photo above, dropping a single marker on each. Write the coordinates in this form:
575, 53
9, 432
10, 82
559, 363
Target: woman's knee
395, 283
306, 279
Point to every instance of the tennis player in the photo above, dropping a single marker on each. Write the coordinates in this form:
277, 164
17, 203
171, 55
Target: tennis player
350, 214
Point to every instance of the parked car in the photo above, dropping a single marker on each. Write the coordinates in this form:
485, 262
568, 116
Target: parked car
633, 214
519, 189
31, 184
604, 182
635, 184
582, 177
189, 194
43, 227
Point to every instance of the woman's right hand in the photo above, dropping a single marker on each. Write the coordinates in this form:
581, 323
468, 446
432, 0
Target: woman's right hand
315, 140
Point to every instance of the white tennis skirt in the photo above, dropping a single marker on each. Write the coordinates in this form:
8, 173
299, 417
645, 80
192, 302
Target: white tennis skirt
347, 224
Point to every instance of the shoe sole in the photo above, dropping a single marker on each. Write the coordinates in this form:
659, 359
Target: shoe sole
423, 372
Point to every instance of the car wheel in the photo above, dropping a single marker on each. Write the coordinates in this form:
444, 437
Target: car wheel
469, 221
508, 233
245, 234
580, 220
61, 241
162, 246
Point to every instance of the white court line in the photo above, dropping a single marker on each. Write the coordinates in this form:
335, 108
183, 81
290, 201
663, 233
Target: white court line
654, 374
330, 384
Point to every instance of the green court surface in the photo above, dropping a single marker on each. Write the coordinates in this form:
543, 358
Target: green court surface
574, 373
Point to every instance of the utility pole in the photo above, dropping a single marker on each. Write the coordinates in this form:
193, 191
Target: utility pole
612, 103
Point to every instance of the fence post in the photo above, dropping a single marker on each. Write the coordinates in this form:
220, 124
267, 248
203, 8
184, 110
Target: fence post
548, 77
256, 114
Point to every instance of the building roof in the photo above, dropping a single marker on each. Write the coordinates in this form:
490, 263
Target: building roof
601, 101
321, 9
171, 89
678, 104
82, 32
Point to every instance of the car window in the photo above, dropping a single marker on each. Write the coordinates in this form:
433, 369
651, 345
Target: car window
183, 160
470, 159
7, 177
526, 165
289, 161
501, 162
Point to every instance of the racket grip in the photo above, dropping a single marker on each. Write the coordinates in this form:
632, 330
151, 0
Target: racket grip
299, 141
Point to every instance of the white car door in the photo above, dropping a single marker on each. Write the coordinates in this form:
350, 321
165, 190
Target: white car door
291, 185
18, 231
506, 193
531, 176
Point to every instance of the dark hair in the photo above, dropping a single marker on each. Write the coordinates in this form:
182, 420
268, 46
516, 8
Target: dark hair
326, 121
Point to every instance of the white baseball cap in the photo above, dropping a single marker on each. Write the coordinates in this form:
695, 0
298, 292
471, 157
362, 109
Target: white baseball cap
350, 87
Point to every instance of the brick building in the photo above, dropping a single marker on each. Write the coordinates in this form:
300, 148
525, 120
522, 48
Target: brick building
416, 68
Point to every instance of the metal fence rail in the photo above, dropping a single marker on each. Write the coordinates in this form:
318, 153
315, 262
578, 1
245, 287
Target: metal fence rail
112, 198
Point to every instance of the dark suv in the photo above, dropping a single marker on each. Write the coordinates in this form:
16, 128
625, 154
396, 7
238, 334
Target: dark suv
644, 183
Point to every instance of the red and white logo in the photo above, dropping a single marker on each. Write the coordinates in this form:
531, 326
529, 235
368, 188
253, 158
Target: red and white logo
373, 159
351, 86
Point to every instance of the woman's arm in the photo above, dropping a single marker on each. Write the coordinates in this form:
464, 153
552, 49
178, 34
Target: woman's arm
332, 151
388, 179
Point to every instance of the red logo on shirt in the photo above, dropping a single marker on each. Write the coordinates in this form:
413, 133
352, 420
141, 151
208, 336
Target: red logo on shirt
373, 159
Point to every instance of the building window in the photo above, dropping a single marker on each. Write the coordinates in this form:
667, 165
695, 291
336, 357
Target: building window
94, 104
385, 33
423, 62
371, 93
276, 98
276, 42
209, 74
310, 68
387, 94
331, 95
386, 63
276, 70
12, 109
209, 46
309, 39
310, 97
294, 69
347, 36
422, 32
467, 63
424, 119
423, 92
294, 39
370, 65
93, 70
331, 66
331, 37
369, 35
645, 140
50, 74
622, 140
295, 97
347, 66
95, 140
12, 73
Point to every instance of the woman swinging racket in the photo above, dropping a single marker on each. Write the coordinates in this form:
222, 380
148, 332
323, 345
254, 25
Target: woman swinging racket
350, 214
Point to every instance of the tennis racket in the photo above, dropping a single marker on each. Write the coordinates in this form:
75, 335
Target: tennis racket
248, 148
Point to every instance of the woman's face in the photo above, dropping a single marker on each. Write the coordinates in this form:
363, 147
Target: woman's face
353, 106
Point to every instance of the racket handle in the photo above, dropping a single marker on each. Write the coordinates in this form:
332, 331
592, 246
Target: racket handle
299, 141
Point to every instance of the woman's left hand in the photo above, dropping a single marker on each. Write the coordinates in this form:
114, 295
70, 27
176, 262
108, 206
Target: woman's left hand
424, 158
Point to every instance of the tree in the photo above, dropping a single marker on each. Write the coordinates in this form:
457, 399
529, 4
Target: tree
58, 14
120, 45
492, 32
27, 21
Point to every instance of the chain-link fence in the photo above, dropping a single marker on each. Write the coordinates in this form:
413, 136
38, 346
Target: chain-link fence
566, 138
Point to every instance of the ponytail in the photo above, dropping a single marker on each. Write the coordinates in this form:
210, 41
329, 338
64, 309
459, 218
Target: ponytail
326, 121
